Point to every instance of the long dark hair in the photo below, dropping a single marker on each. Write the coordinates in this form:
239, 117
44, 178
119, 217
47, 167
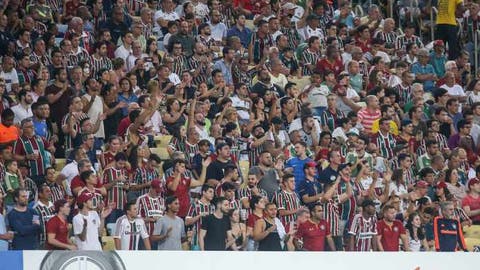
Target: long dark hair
411, 229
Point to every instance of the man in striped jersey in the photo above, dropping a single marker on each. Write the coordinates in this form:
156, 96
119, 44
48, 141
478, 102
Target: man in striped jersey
385, 140
425, 160
77, 54
99, 59
363, 230
151, 206
288, 202
229, 189
116, 182
33, 149
251, 189
129, 228
198, 210
143, 176
310, 56
198, 64
45, 210
388, 34
58, 190
408, 37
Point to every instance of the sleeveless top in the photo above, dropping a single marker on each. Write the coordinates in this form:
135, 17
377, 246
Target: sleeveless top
415, 245
271, 242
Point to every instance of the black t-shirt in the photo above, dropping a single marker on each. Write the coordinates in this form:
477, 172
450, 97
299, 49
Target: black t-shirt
216, 232
215, 169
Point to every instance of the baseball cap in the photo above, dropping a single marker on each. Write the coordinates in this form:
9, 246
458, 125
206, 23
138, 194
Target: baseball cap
472, 182
156, 185
289, 6
421, 184
441, 185
343, 166
366, 203
58, 204
438, 42
85, 196
406, 122
310, 164
354, 132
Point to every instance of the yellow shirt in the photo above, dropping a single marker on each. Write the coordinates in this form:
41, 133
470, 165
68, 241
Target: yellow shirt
446, 11
393, 127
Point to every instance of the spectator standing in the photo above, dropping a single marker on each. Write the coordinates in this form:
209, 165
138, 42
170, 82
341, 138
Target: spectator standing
24, 222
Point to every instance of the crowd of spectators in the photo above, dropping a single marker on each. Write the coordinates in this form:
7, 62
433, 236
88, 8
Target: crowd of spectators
292, 125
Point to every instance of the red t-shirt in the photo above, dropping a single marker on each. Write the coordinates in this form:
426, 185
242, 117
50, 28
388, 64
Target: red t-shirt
390, 235
313, 235
123, 126
60, 229
252, 219
77, 182
181, 193
474, 205
323, 65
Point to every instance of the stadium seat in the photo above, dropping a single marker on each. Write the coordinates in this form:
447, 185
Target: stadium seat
60, 163
162, 140
301, 82
472, 231
471, 243
249, 24
161, 152
108, 243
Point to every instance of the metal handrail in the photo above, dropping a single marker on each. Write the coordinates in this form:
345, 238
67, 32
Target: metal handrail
432, 24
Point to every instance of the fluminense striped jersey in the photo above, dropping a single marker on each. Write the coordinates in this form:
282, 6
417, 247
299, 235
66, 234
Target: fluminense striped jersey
130, 232
329, 119
405, 93
97, 199
184, 146
45, 212
363, 230
332, 215
403, 40
439, 138
423, 161
385, 144
309, 58
42, 59
292, 35
150, 207
390, 38
199, 208
58, 191
135, 6
254, 153
179, 64
144, 175
259, 44
347, 208
117, 194
409, 176
76, 126
246, 193
288, 201
193, 63
234, 204
27, 146
99, 63
76, 57
108, 158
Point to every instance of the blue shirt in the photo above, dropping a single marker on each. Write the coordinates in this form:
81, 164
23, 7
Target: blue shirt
297, 165
226, 70
41, 128
310, 188
244, 35
417, 68
26, 233
328, 175
130, 99
438, 64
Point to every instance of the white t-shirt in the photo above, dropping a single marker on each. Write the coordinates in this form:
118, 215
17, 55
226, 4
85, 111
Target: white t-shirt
21, 113
455, 90
10, 78
93, 225
238, 103
318, 96
70, 171
122, 52
124, 229
219, 31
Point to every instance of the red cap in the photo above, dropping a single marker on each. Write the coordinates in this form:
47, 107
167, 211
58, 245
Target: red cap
472, 182
421, 184
157, 185
441, 185
85, 196
438, 42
